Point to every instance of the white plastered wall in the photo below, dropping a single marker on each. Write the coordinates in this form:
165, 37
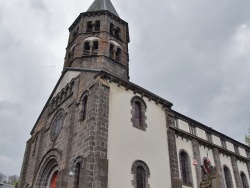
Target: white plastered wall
242, 152
230, 146
183, 125
216, 140
126, 144
182, 143
226, 160
201, 133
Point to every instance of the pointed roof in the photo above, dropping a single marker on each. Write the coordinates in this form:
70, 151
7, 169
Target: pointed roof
99, 5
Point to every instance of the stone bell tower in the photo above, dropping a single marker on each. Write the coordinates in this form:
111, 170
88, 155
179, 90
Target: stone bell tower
99, 40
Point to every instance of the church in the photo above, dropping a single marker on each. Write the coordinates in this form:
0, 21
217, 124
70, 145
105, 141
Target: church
100, 130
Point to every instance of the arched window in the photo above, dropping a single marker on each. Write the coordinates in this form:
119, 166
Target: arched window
138, 113
111, 51
141, 174
77, 175
111, 29
86, 48
244, 180
97, 25
89, 27
95, 48
118, 54
117, 32
186, 172
84, 108
227, 177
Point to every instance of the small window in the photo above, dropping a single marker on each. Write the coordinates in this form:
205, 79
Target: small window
186, 173
84, 108
77, 175
141, 174
118, 54
223, 143
97, 25
209, 137
89, 27
117, 32
95, 48
138, 113
244, 180
86, 48
111, 29
192, 129
111, 51
227, 177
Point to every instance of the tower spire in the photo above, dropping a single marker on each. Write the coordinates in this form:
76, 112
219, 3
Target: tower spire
99, 5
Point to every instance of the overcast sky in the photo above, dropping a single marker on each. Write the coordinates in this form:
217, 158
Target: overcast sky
194, 53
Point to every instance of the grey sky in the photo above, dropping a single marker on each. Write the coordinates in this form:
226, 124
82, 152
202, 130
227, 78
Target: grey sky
193, 53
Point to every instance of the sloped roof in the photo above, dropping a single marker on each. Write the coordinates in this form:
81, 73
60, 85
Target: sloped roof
99, 5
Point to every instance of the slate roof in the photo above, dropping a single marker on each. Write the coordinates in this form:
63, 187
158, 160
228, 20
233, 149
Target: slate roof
99, 5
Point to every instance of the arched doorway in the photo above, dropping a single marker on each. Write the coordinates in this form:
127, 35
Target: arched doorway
53, 180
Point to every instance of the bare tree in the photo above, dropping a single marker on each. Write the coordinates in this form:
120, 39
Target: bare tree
13, 179
2, 177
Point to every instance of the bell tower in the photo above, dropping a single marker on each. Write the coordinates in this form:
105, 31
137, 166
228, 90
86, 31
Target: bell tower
98, 39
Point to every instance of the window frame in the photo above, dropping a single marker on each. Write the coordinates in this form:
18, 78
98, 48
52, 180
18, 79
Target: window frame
185, 168
139, 123
140, 164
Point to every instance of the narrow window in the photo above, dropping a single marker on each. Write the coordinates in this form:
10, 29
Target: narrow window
138, 113
244, 180
111, 51
89, 27
117, 32
77, 175
86, 48
141, 174
111, 29
185, 168
97, 25
228, 177
118, 54
84, 107
140, 177
75, 32
95, 48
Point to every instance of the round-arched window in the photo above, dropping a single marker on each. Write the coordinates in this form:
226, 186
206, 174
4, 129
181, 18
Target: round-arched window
56, 126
